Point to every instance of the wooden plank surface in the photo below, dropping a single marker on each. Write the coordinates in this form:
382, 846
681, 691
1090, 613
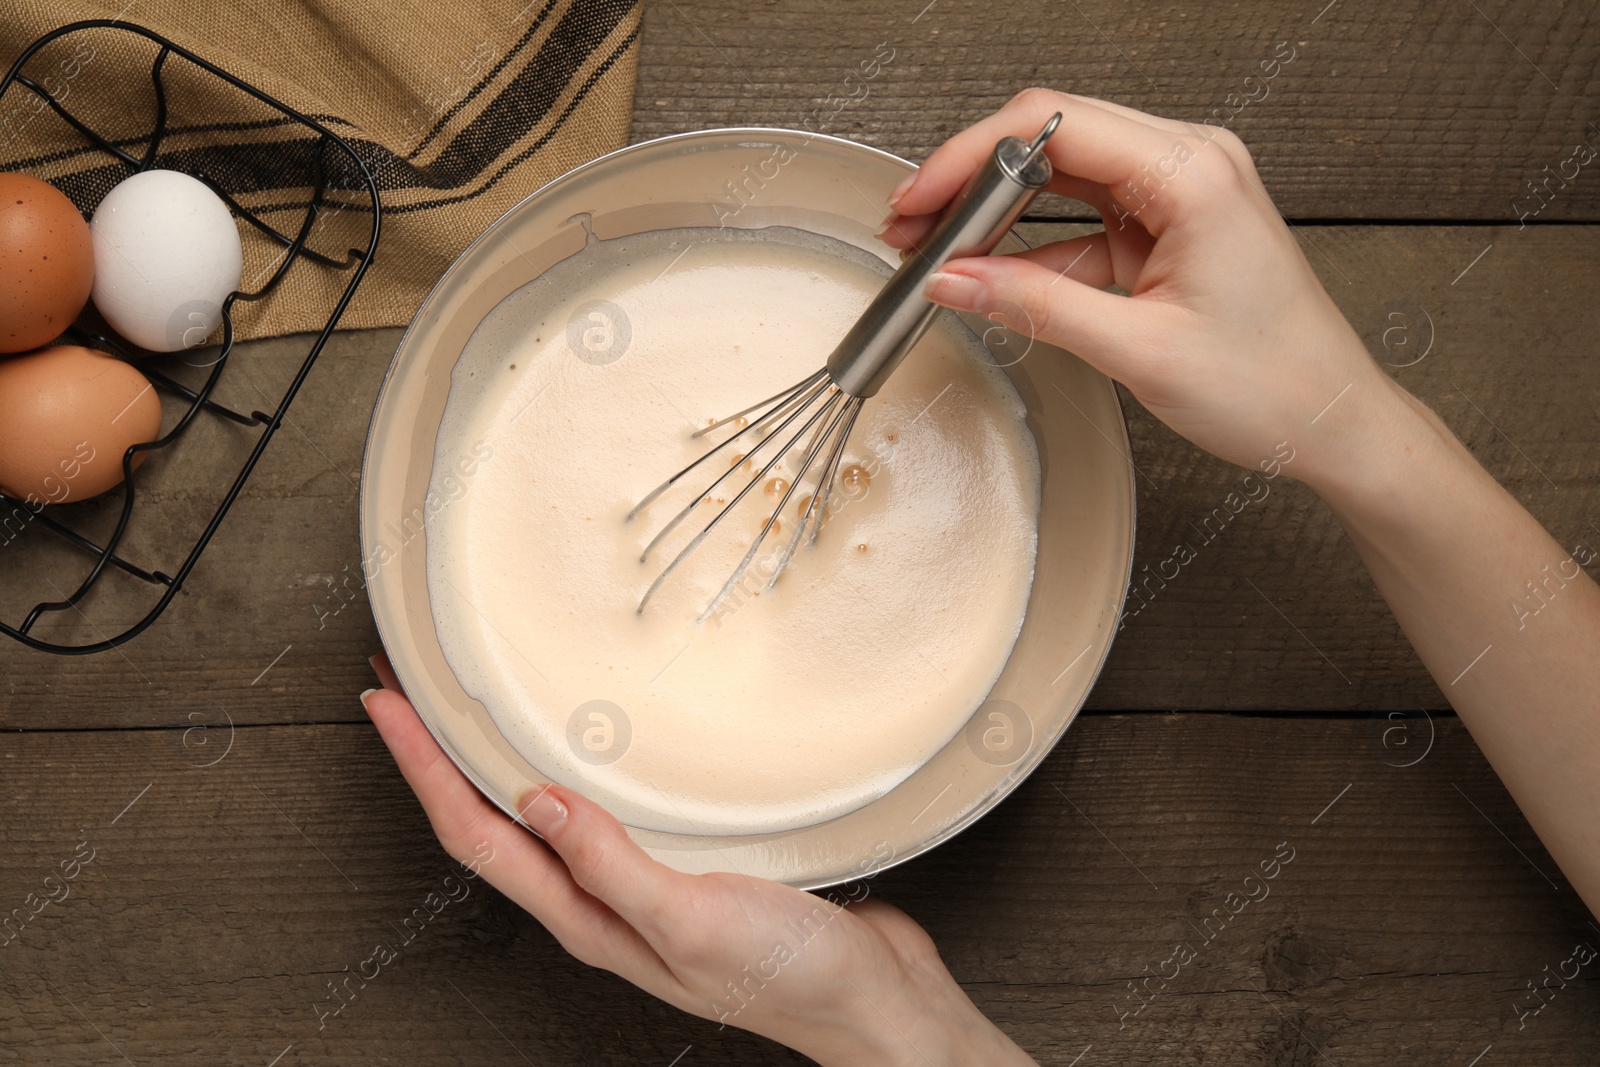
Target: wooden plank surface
275, 628
1413, 912
1403, 110
1416, 906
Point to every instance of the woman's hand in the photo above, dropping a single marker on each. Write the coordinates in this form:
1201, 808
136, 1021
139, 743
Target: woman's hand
858, 984
1227, 336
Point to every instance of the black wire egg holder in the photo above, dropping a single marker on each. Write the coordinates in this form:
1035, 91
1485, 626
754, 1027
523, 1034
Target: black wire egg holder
103, 556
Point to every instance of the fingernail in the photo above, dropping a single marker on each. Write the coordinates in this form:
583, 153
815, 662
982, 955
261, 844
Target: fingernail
888, 224
545, 813
900, 190
364, 697
959, 291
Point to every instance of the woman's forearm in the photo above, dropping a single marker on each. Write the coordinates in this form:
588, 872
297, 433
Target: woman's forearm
1504, 617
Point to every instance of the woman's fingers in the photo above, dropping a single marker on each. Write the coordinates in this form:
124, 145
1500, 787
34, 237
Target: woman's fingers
596, 872
1107, 330
475, 831
1155, 122
458, 812
385, 672
1093, 142
906, 231
1086, 260
1130, 247
605, 862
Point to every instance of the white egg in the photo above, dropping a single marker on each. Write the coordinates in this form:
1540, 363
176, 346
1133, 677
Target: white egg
166, 255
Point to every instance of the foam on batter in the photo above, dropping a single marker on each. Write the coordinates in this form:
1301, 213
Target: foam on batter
791, 705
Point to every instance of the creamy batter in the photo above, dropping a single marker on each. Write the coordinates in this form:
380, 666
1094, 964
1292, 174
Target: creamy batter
788, 706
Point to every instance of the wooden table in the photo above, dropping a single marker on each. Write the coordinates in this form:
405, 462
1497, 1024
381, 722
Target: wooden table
251, 840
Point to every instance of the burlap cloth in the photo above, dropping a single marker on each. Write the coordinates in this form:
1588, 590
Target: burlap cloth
459, 109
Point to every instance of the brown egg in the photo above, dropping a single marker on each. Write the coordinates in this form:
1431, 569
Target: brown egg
46, 263
67, 414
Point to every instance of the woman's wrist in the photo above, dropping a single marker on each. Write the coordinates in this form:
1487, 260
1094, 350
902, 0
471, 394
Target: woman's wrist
1400, 475
1370, 443
928, 1019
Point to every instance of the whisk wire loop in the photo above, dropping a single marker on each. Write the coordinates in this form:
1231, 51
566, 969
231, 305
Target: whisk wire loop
824, 493
817, 390
843, 409
784, 400
724, 476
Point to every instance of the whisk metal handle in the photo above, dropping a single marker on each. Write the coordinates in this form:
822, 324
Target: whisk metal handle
974, 222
